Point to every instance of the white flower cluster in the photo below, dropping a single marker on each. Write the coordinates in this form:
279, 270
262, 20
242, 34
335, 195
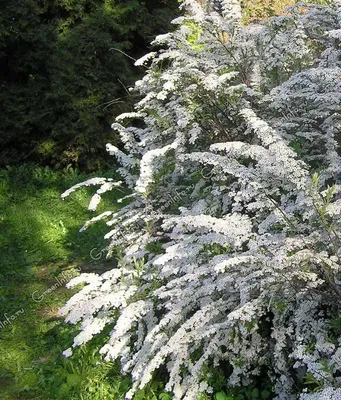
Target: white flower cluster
326, 394
244, 270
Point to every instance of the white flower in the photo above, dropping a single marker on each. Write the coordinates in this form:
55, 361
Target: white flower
67, 352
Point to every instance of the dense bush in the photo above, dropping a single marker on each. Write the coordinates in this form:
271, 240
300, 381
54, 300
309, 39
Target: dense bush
62, 71
230, 259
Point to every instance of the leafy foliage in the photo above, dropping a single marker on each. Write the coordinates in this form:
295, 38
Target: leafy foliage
64, 75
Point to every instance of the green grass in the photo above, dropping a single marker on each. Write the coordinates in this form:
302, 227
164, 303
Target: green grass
39, 241
37, 227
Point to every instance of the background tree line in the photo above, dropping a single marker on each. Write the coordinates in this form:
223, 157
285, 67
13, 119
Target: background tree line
61, 67
62, 71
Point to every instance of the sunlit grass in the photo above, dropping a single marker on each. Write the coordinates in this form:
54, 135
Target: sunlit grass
39, 241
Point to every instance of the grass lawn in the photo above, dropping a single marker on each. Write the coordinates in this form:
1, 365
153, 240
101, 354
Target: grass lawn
40, 249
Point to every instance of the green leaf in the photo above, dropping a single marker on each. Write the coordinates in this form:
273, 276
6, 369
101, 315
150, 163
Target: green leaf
255, 393
165, 396
140, 395
315, 179
265, 394
220, 396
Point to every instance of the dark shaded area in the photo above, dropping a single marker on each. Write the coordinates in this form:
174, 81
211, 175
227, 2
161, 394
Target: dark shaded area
60, 75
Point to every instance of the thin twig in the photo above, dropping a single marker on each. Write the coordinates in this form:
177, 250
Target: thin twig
122, 52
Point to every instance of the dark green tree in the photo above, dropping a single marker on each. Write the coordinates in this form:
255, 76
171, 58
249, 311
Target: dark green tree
62, 71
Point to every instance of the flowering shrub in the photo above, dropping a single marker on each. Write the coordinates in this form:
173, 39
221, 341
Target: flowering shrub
231, 245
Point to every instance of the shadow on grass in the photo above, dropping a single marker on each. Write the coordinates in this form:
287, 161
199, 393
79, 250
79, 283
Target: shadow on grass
37, 227
39, 238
